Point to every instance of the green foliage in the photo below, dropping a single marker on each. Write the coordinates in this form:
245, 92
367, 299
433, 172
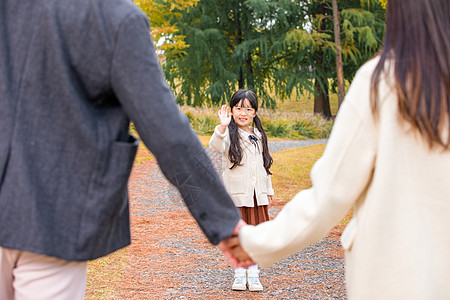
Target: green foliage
274, 47
161, 13
204, 125
276, 128
232, 44
304, 128
362, 30
383, 3
361, 26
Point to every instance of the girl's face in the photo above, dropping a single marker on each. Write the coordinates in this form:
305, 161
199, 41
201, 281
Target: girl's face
243, 114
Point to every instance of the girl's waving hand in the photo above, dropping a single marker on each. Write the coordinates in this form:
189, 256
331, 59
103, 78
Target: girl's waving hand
224, 116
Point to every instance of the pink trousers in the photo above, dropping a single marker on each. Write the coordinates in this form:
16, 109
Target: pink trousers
25, 276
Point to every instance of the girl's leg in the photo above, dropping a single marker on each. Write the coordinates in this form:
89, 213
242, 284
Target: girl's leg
240, 280
254, 285
254, 215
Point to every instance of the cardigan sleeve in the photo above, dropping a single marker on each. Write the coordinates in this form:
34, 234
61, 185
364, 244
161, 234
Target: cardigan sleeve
270, 191
339, 178
219, 142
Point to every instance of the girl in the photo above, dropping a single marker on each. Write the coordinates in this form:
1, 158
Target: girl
246, 162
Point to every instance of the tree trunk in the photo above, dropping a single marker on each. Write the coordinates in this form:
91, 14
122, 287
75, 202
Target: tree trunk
339, 68
241, 79
239, 40
322, 100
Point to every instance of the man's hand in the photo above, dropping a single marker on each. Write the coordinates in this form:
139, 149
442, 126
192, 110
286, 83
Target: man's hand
233, 251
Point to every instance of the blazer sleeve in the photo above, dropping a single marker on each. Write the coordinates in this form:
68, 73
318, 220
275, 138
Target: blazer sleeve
339, 178
139, 85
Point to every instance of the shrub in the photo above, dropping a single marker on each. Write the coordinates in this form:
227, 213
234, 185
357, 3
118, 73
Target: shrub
276, 128
204, 125
305, 128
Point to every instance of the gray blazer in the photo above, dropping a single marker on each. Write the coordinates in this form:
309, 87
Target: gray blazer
72, 75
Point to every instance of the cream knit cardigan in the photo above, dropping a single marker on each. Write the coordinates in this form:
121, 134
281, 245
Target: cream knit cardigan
397, 245
242, 182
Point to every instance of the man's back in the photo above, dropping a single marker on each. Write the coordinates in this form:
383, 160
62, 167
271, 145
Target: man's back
62, 119
72, 74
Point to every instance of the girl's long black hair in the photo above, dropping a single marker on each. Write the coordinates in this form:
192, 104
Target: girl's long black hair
235, 153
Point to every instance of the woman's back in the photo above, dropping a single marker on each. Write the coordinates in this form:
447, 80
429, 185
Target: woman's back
398, 244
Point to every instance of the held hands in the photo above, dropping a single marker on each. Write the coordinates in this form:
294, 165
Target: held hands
240, 258
233, 251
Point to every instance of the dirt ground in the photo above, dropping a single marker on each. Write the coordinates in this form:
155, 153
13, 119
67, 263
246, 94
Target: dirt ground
169, 257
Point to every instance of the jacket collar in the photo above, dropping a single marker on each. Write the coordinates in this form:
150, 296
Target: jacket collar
244, 135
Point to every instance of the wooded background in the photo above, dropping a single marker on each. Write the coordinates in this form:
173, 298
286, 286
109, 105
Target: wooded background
210, 48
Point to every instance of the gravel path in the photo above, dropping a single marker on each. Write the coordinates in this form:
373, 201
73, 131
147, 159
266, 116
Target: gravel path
170, 258
278, 146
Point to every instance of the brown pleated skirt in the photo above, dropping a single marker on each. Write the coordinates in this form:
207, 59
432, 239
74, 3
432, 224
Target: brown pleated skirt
255, 215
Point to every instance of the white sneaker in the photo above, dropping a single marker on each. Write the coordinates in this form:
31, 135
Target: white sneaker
253, 281
240, 280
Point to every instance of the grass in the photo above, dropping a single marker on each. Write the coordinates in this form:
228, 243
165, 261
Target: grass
204, 139
291, 169
143, 154
300, 103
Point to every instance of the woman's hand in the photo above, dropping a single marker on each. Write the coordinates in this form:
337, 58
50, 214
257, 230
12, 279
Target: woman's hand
270, 200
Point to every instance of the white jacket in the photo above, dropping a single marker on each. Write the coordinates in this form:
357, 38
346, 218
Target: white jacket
249, 178
397, 245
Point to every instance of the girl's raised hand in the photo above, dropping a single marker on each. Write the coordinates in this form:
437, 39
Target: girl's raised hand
224, 116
